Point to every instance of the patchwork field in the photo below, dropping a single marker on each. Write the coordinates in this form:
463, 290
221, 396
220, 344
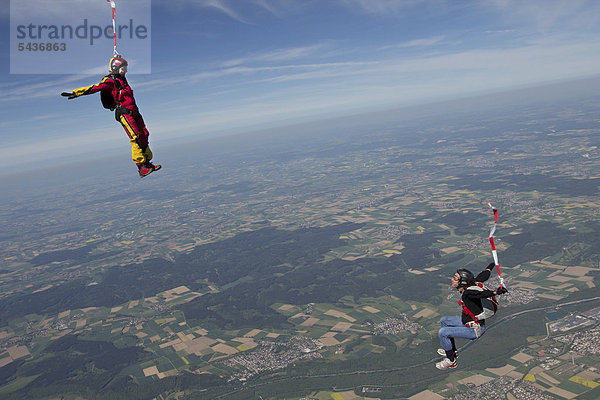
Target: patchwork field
326, 265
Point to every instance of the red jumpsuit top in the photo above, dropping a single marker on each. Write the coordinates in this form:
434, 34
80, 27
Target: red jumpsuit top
124, 96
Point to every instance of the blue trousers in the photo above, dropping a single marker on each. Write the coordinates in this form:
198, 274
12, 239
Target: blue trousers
452, 327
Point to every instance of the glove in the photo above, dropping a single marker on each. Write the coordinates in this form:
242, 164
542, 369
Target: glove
68, 95
491, 266
501, 290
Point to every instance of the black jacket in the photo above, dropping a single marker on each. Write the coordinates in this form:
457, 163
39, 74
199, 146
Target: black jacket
471, 299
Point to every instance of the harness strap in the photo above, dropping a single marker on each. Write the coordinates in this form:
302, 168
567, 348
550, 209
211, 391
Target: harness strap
479, 287
468, 312
119, 87
119, 109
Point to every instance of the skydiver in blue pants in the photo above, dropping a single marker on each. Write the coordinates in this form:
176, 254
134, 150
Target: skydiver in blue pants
471, 324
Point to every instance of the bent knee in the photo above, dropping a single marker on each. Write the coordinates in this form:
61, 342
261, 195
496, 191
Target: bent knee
443, 332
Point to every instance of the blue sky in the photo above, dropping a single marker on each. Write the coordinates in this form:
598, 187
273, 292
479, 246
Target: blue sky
236, 66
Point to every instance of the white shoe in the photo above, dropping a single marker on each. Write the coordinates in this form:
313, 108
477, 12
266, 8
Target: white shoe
445, 364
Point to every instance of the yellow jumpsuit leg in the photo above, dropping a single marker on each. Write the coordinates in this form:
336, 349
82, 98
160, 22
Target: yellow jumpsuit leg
147, 153
138, 155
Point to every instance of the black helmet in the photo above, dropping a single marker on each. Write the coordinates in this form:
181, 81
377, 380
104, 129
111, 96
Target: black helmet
466, 277
116, 63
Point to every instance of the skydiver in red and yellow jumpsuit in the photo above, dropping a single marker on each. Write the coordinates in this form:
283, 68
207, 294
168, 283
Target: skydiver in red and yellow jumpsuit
126, 112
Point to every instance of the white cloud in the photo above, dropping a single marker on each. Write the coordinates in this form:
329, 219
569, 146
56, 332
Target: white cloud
57, 10
281, 8
274, 73
21, 89
241, 11
336, 88
549, 15
536, 59
385, 7
45, 117
422, 42
247, 11
279, 55
223, 7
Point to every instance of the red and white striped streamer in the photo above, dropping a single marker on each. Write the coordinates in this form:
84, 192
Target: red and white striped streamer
113, 6
491, 237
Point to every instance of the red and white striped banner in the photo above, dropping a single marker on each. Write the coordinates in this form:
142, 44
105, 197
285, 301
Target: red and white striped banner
113, 6
491, 237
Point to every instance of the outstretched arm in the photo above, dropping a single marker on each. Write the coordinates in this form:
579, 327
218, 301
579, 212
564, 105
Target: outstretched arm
105, 84
485, 274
